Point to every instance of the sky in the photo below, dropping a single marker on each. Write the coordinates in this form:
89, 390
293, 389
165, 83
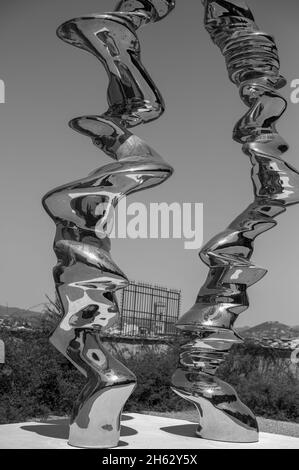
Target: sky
49, 82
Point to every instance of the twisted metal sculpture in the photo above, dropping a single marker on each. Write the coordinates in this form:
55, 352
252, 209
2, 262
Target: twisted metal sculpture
207, 328
86, 277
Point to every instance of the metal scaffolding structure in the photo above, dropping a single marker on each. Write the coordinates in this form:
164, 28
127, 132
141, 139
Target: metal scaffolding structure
148, 311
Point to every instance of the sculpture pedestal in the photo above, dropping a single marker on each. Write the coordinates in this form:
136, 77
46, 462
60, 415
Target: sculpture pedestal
137, 432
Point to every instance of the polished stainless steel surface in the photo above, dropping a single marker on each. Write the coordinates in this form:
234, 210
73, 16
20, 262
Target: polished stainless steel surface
207, 328
86, 277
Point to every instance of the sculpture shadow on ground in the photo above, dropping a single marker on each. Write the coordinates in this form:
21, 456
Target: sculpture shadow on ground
59, 429
187, 430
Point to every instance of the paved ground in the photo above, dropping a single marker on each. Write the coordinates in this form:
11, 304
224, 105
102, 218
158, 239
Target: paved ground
138, 431
266, 425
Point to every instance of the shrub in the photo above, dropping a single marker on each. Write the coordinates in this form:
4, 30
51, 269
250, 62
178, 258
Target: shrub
43, 382
153, 371
264, 381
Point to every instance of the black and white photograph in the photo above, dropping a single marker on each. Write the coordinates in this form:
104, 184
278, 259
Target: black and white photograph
149, 199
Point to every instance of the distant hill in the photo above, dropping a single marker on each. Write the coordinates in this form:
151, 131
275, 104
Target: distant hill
13, 316
269, 333
270, 330
242, 329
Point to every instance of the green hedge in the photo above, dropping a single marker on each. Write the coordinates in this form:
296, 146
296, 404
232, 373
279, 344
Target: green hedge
43, 382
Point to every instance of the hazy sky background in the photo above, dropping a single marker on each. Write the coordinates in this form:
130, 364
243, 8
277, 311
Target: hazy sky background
49, 82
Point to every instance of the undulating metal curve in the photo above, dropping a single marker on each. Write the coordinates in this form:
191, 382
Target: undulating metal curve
207, 328
86, 277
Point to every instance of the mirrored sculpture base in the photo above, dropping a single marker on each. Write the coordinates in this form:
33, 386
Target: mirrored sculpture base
103, 429
221, 417
221, 414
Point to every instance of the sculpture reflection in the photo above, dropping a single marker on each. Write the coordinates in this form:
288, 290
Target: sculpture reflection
86, 277
207, 328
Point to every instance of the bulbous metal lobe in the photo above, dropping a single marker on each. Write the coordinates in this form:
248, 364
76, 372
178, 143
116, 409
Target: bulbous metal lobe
87, 291
105, 134
194, 381
98, 263
89, 203
101, 313
117, 142
233, 294
217, 9
223, 416
132, 95
204, 340
91, 309
96, 416
207, 316
223, 18
261, 118
274, 146
104, 408
275, 180
252, 89
144, 11
249, 53
226, 270
95, 421
234, 246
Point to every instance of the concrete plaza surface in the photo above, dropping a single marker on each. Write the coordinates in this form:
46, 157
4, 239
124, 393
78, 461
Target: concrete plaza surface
137, 432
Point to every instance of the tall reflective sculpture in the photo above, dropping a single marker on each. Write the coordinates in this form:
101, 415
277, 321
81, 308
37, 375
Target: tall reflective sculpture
86, 277
207, 332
